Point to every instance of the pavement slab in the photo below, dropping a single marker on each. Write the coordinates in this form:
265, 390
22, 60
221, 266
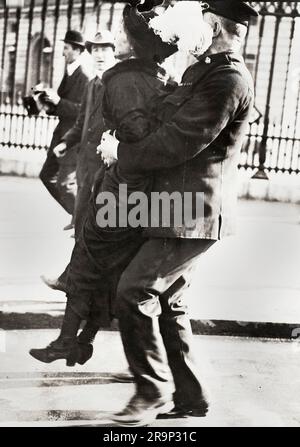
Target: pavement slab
251, 383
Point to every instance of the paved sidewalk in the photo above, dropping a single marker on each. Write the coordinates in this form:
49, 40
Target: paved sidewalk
251, 383
251, 277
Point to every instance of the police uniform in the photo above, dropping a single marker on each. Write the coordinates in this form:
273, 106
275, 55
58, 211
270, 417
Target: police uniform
196, 149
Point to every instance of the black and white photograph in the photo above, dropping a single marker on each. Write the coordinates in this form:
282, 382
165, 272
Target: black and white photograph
149, 216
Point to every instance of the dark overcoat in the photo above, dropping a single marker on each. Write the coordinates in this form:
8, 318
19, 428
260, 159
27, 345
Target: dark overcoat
197, 147
87, 131
131, 90
71, 91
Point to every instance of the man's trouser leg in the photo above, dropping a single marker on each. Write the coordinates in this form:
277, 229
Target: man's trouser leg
176, 331
49, 173
149, 316
67, 186
60, 181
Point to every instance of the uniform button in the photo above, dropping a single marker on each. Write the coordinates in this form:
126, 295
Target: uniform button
208, 60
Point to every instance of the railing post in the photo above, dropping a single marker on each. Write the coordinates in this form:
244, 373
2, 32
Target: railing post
4, 38
82, 12
261, 174
56, 18
42, 39
18, 22
69, 12
29, 37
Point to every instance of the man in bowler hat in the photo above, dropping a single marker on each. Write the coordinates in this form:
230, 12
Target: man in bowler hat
89, 125
196, 149
59, 176
87, 130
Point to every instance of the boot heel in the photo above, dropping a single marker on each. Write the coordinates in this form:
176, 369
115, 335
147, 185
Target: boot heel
70, 362
85, 353
72, 357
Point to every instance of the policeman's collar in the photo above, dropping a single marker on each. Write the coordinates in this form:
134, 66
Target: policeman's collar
220, 58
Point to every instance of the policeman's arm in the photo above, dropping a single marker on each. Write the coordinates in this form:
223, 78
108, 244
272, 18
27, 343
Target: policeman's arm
195, 125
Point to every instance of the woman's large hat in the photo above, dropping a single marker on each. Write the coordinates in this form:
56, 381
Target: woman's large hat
146, 6
145, 41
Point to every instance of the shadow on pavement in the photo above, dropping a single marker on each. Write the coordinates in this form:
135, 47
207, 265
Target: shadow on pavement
59, 416
56, 379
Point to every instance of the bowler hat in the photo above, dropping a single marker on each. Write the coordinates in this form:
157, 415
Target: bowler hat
235, 10
74, 38
103, 38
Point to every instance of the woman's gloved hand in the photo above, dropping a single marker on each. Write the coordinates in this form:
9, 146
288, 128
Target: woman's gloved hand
108, 148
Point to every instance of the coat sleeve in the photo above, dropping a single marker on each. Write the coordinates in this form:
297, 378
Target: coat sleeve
67, 109
193, 127
128, 107
73, 136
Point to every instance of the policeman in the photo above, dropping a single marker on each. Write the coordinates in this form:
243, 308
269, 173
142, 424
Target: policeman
196, 149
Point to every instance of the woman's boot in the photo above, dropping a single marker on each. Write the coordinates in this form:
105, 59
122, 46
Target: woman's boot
85, 340
66, 346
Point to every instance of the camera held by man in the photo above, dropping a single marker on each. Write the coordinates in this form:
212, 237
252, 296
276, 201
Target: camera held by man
42, 99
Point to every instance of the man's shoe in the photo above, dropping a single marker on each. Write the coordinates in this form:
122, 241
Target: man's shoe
140, 412
179, 411
54, 284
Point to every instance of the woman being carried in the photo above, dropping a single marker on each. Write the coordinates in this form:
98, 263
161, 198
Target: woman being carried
101, 254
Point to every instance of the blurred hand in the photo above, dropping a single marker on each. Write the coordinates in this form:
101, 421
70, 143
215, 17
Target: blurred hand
60, 150
52, 96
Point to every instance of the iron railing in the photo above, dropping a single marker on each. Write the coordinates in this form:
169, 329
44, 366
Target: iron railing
274, 138
31, 48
